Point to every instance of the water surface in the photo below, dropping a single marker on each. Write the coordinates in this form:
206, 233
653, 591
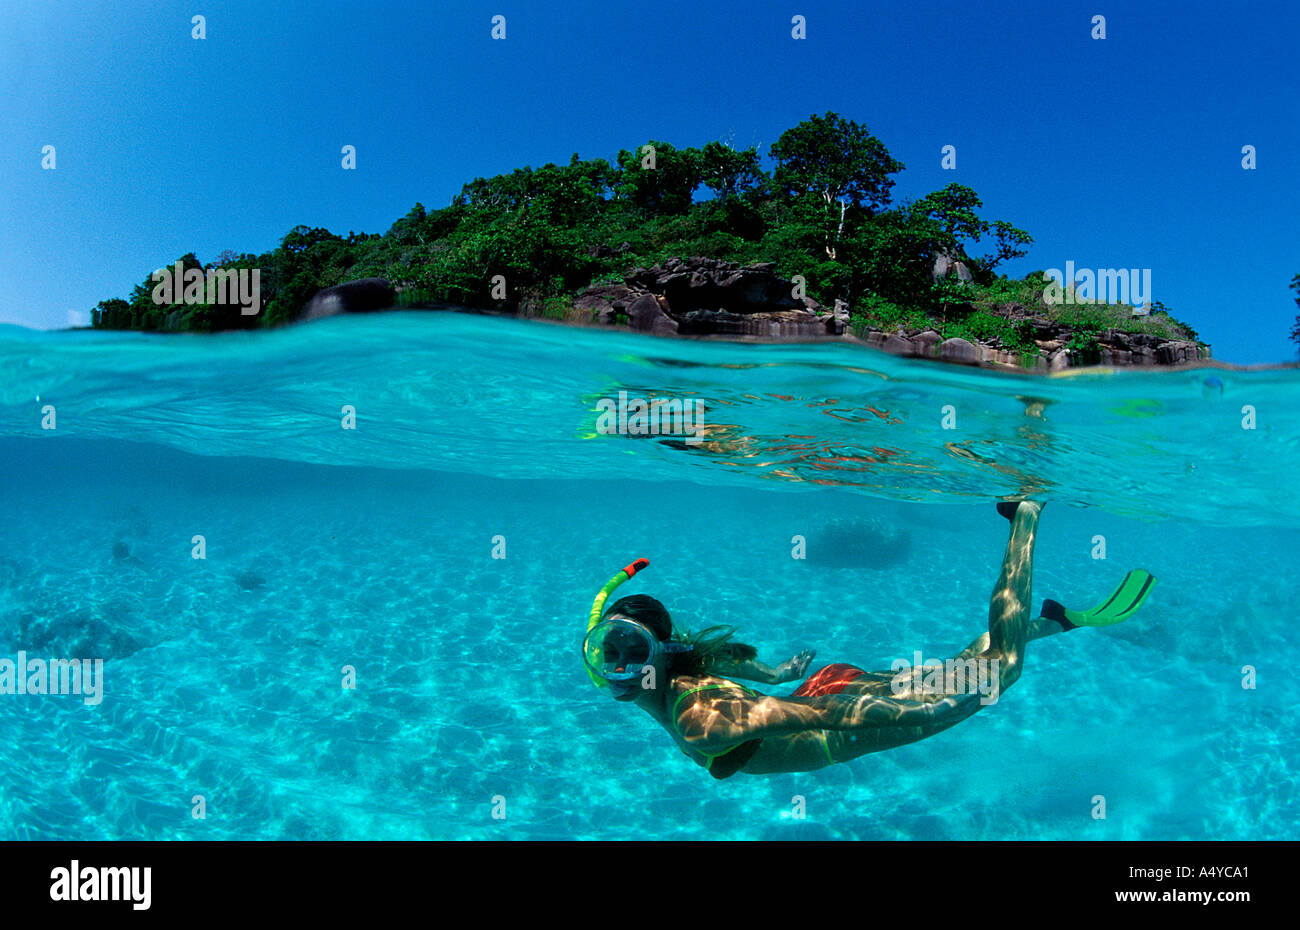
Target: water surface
373, 548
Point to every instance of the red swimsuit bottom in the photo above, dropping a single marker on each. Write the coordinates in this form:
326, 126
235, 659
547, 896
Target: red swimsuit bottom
830, 680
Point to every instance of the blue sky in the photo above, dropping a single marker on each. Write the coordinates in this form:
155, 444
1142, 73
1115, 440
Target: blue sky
1117, 153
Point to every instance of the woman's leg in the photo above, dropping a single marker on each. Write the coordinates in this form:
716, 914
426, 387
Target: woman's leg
1036, 629
1009, 607
1009, 629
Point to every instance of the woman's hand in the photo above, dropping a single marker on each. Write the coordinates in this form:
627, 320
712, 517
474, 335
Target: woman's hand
796, 668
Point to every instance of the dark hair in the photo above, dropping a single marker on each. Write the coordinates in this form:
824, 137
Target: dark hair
708, 647
646, 611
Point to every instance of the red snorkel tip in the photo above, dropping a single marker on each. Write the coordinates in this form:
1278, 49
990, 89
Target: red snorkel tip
636, 567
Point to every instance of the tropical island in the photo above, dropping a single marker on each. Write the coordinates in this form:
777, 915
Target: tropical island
701, 242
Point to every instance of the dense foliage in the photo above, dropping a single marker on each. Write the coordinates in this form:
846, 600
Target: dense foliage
1295, 330
824, 211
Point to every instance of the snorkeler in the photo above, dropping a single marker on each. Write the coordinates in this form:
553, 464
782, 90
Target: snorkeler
685, 681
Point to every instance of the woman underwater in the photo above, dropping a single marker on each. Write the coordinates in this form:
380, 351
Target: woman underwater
839, 713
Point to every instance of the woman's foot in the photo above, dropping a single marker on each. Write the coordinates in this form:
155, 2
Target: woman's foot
1008, 508
1054, 610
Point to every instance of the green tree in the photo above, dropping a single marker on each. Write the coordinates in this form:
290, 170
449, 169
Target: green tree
958, 226
410, 229
504, 193
836, 163
111, 314
229, 314
667, 188
728, 172
148, 314
890, 254
564, 196
306, 260
596, 173
1009, 242
952, 211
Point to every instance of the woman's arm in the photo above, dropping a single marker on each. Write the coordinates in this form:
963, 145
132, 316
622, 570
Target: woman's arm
754, 670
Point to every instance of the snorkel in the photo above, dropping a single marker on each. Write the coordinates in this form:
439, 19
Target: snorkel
622, 652
599, 603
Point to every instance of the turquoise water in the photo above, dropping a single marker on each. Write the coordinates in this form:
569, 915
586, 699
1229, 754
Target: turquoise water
373, 548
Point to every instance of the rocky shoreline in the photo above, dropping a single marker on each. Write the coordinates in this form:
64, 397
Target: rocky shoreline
707, 297
1116, 349
703, 297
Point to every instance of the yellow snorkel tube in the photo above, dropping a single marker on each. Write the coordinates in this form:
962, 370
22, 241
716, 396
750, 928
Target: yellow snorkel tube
599, 603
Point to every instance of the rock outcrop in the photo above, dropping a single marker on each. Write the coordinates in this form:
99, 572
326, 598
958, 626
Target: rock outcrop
1114, 348
705, 296
362, 296
647, 314
945, 264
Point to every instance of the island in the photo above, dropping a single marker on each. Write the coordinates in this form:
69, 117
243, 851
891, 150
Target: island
699, 242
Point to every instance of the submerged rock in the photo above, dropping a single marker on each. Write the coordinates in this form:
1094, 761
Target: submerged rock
250, 581
122, 555
78, 635
868, 542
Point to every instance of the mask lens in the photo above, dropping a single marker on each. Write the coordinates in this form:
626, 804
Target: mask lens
617, 650
625, 647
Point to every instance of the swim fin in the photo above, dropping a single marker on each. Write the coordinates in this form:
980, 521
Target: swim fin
1117, 608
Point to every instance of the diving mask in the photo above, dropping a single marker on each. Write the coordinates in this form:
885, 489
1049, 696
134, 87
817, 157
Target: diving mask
619, 652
